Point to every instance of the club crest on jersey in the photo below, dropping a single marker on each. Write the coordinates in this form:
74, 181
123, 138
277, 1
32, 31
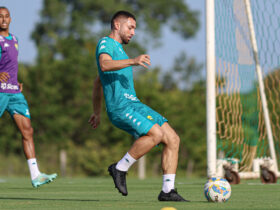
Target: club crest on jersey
150, 117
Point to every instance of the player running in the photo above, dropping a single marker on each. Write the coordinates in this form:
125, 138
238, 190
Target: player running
13, 101
127, 112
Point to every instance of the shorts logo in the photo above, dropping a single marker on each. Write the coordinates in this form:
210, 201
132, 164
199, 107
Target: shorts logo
150, 117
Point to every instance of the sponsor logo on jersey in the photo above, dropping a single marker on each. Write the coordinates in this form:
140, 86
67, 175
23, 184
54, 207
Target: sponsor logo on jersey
6, 45
102, 47
5, 86
131, 97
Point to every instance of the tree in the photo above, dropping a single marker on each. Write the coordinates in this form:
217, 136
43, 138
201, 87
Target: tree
59, 86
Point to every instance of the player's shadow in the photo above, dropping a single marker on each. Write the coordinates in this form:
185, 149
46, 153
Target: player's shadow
49, 199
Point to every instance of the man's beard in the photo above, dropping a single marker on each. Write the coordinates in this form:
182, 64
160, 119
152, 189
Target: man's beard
124, 41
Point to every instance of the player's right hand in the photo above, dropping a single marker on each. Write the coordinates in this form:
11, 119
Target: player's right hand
94, 120
4, 76
142, 60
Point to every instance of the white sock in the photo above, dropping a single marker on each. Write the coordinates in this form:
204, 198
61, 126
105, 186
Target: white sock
168, 181
33, 168
125, 163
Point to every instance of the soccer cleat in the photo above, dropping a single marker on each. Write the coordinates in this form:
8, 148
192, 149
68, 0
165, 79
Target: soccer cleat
119, 178
171, 196
43, 179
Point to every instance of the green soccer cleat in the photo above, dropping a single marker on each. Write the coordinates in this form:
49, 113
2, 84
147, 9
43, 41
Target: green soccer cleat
43, 179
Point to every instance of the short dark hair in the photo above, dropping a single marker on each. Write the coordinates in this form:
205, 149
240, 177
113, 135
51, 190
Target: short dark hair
119, 14
2, 7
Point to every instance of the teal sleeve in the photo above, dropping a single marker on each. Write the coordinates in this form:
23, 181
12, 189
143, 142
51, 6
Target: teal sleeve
105, 46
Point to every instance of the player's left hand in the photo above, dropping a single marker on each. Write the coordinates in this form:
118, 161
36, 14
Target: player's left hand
94, 120
143, 60
20, 86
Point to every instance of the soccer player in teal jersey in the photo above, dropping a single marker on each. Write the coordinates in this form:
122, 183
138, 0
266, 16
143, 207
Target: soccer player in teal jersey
126, 111
13, 101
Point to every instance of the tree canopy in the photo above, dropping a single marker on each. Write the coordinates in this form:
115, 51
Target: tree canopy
59, 86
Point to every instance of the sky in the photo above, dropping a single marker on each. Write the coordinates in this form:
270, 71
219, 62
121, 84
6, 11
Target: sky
26, 13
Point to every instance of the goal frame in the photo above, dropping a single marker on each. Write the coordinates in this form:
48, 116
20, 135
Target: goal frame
211, 92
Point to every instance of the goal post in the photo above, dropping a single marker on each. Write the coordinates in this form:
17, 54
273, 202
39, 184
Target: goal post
211, 93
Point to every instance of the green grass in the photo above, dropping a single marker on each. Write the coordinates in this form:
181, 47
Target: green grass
99, 193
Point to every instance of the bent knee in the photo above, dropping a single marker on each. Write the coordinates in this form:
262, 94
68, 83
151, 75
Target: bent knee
173, 141
157, 137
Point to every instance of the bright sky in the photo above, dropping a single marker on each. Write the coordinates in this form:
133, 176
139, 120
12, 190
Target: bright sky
25, 13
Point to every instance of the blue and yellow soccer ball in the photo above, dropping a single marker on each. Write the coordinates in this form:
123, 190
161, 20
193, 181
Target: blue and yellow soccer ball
217, 190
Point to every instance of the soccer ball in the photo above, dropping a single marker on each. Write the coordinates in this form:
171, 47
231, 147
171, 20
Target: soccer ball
217, 190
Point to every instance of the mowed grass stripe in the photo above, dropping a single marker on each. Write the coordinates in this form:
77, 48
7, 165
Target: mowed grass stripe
99, 193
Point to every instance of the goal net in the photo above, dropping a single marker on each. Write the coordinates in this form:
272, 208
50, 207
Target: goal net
241, 129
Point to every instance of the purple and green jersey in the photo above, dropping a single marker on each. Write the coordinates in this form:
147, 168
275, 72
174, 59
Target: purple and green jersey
9, 63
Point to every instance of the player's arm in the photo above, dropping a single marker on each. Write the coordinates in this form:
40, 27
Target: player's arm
108, 64
97, 93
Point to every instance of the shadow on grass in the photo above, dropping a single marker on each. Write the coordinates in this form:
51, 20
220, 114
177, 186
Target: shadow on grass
48, 199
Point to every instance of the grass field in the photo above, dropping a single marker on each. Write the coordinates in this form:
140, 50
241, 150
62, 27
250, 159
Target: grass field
99, 193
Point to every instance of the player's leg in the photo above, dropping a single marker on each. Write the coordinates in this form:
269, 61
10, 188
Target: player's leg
171, 142
169, 164
19, 111
140, 147
145, 143
24, 125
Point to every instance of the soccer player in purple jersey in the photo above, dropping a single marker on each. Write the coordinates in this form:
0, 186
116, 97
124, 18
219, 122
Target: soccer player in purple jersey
13, 101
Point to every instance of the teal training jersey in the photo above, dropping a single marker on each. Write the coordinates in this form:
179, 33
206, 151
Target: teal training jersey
118, 86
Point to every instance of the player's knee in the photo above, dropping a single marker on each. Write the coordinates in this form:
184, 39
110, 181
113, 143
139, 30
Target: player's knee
157, 137
174, 142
